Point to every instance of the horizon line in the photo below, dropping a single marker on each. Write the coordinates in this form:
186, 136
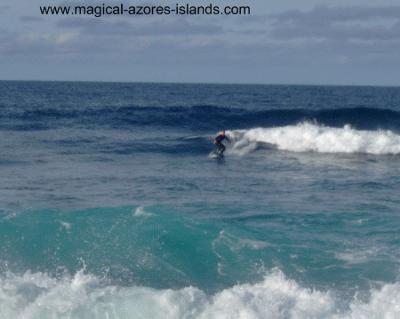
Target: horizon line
203, 83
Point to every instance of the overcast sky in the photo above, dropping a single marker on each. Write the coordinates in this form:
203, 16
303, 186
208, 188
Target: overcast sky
282, 41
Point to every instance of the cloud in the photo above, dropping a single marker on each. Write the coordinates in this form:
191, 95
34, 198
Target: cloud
158, 28
325, 15
30, 19
34, 44
339, 23
84, 36
4, 8
7, 41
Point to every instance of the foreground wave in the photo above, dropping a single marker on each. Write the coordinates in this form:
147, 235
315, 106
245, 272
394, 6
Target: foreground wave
311, 137
36, 295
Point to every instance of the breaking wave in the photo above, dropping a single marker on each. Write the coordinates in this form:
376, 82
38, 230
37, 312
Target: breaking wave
311, 137
36, 295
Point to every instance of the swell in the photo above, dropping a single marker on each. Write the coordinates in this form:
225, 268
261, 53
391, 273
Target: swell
147, 246
199, 117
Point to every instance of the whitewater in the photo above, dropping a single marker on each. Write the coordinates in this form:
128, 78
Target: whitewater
84, 296
311, 137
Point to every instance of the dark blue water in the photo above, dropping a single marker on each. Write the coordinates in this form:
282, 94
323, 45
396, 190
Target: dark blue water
110, 205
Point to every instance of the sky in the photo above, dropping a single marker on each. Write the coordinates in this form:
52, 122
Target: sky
350, 42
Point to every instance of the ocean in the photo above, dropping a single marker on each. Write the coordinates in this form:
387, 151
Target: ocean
110, 206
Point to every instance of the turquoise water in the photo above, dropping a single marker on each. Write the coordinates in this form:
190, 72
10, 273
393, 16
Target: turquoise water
111, 208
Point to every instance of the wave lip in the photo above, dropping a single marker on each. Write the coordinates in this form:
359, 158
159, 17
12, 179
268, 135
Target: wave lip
36, 295
312, 137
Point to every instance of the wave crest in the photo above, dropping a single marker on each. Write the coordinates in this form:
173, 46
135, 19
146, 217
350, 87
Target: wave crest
83, 296
311, 137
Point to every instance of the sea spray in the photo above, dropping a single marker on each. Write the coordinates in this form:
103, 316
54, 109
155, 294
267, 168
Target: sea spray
312, 137
38, 296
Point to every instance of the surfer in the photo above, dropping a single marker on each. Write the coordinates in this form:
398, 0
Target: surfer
218, 142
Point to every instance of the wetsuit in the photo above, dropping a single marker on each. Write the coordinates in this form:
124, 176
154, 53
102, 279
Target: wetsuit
218, 142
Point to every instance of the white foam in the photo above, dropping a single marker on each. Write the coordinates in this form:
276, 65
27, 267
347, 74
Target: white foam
310, 137
37, 296
357, 256
383, 304
141, 212
359, 221
65, 225
236, 243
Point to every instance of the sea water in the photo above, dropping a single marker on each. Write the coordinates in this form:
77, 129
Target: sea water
111, 208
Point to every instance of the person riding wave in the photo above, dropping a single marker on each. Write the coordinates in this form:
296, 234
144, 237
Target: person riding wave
218, 142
